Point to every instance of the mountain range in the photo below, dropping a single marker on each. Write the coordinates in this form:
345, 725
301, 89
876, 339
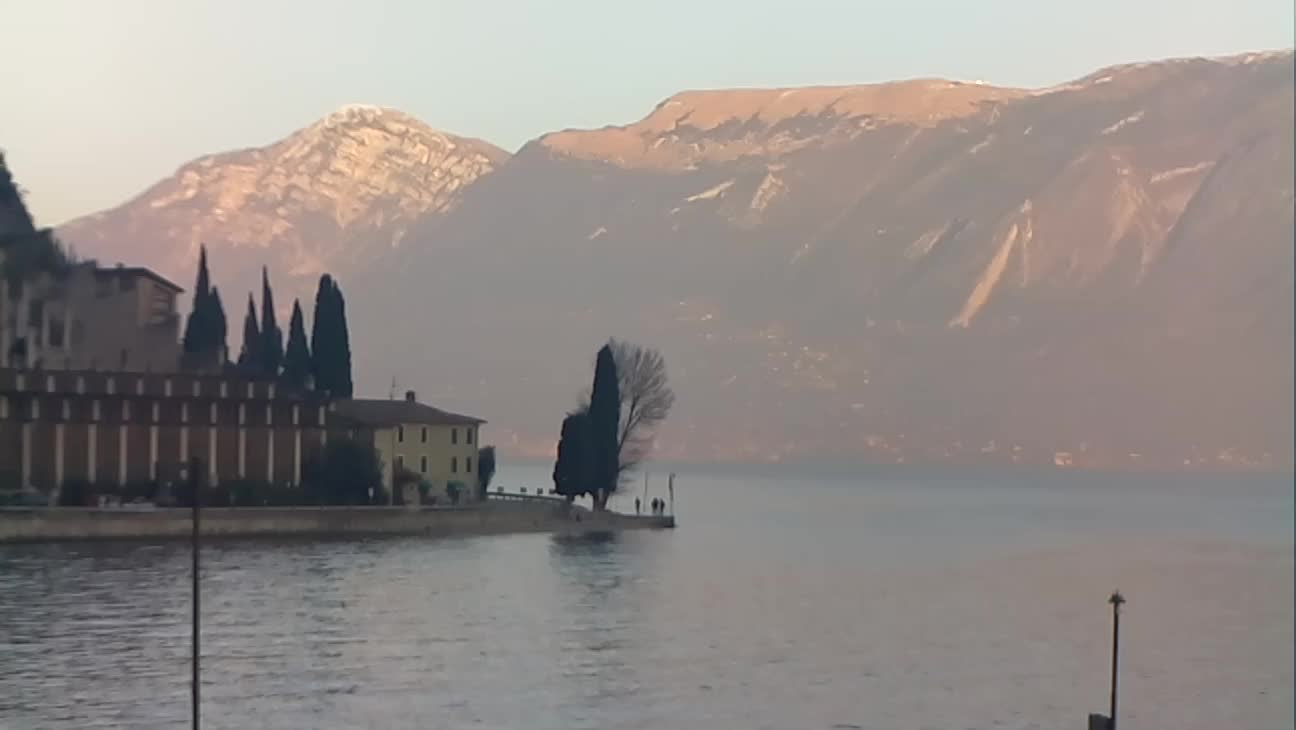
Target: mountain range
1096, 274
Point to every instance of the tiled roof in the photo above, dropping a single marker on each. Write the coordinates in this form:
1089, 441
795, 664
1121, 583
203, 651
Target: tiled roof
373, 412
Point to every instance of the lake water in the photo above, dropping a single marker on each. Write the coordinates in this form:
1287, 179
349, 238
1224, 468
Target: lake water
781, 601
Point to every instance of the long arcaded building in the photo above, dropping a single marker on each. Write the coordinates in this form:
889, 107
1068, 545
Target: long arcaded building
123, 427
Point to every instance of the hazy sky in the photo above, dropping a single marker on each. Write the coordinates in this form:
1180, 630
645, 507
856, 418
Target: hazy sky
100, 99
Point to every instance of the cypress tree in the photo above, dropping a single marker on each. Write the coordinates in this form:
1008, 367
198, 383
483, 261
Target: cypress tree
271, 351
573, 469
330, 345
604, 421
322, 335
343, 345
198, 328
250, 358
297, 358
218, 328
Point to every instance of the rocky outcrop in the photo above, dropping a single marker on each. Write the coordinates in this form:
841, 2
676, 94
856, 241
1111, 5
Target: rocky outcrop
332, 197
1097, 273
699, 127
925, 271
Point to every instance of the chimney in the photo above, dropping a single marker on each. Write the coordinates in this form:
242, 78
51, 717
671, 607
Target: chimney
409, 396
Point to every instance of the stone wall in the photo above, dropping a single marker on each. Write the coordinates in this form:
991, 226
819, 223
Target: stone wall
64, 523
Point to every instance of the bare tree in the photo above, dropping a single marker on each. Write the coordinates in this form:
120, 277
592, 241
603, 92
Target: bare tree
646, 400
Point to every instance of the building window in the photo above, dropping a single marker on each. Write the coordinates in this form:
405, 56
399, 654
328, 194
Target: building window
454, 435
270, 389
80, 384
224, 389
423, 464
424, 436
35, 408
139, 386
213, 414
400, 463
400, 434
197, 387
242, 414
468, 437
112, 385
4, 407
49, 383
296, 415
454, 465
468, 465
156, 409
55, 332
67, 409
166, 387
184, 412
125, 410
250, 391
269, 415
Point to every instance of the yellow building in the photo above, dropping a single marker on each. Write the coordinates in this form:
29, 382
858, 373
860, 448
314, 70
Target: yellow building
436, 446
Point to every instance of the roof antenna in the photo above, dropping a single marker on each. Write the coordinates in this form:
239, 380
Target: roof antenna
391, 394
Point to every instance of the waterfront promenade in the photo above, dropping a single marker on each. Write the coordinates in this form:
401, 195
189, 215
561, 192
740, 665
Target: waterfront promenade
506, 514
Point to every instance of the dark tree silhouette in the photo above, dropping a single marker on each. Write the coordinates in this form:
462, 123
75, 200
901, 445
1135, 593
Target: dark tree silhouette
344, 384
250, 357
219, 330
197, 328
297, 360
321, 334
646, 400
330, 342
604, 426
271, 351
27, 249
485, 469
343, 474
573, 473
205, 329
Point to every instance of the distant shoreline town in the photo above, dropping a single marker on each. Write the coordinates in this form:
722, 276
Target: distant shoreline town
102, 399
105, 404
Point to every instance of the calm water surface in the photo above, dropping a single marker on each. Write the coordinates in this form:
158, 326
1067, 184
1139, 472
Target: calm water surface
780, 602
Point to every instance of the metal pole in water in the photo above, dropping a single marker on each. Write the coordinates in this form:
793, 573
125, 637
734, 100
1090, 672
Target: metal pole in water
1116, 600
195, 495
670, 488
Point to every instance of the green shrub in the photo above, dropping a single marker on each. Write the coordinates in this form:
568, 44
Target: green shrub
76, 493
343, 475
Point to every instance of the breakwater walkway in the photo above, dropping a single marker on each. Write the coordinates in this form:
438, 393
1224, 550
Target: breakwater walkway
494, 516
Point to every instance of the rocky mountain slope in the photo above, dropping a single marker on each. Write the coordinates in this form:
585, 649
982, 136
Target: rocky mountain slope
335, 196
1098, 273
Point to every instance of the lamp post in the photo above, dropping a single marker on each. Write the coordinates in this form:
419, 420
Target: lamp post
1116, 600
